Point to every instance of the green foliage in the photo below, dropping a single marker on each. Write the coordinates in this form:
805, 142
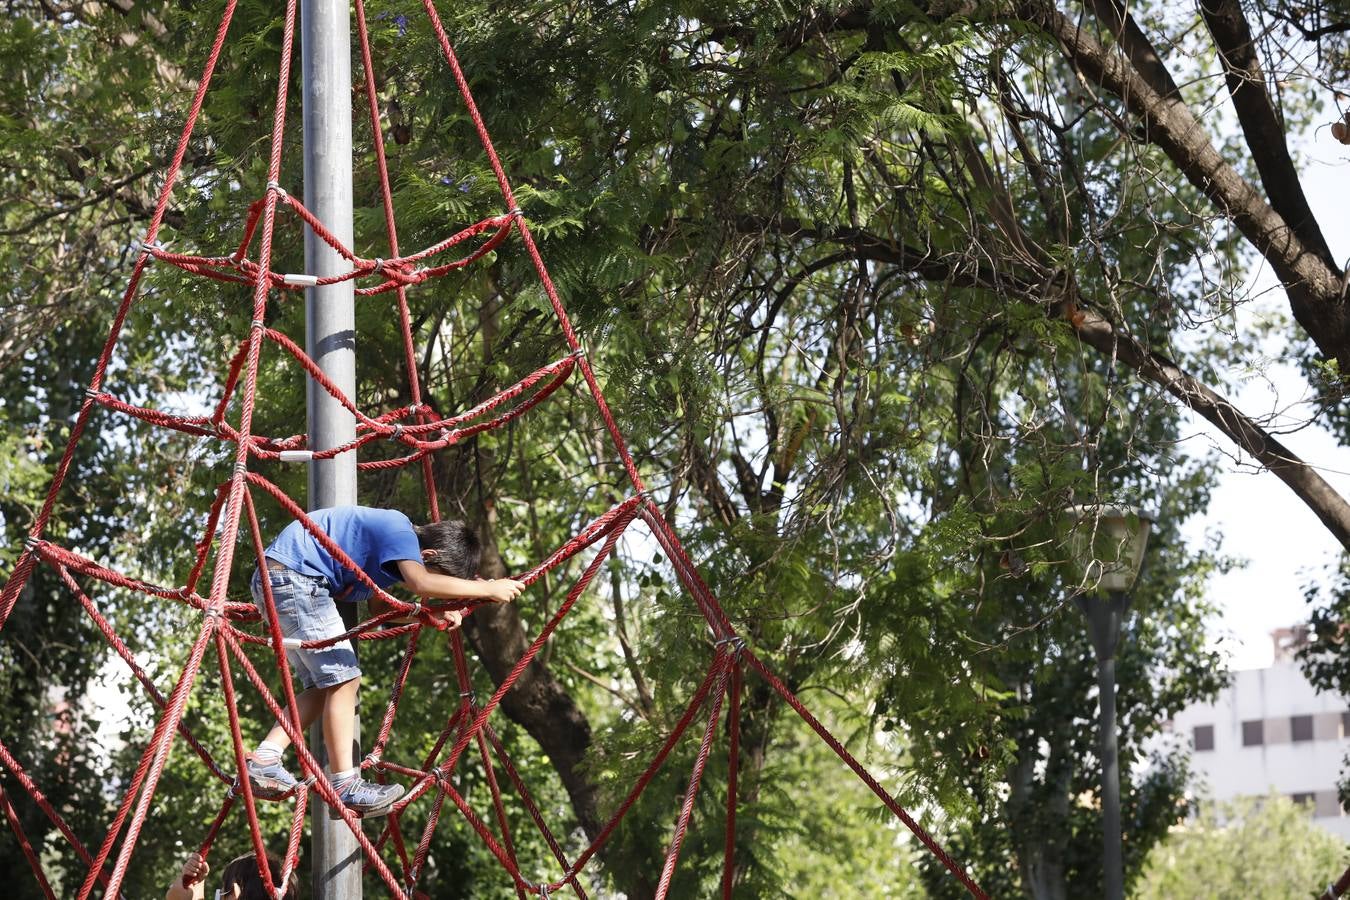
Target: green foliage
1260, 847
868, 461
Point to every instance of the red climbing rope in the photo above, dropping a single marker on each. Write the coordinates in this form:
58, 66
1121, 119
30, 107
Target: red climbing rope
417, 432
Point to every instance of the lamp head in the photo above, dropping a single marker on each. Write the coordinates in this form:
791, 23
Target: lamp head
1108, 544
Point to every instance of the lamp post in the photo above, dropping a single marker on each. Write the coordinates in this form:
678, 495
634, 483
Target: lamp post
1108, 545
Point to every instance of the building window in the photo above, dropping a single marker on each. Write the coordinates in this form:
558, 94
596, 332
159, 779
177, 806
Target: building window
1309, 799
1345, 724
1300, 728
1253, 733
1328, 805
1203, 737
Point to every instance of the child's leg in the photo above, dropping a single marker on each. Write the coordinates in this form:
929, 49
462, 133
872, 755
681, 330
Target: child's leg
339, 718
310, 703
305, 611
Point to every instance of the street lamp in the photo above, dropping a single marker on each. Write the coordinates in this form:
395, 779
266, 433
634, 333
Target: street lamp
1108, 545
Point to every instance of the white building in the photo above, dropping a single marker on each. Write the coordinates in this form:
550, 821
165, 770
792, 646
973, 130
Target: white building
1270, 730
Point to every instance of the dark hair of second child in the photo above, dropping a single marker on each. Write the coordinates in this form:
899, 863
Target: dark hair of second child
242, 872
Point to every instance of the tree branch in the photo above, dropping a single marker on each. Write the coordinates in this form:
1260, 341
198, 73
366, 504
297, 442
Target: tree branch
1314, 288
1132, 39
1261, 124
1059, 298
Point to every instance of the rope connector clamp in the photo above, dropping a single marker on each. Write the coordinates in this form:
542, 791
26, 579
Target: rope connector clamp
470, 694
92, 394
396, 433
370, 759
578, 353
31, 543
256, 324
736, 641
280, 191
241, 468
379, 266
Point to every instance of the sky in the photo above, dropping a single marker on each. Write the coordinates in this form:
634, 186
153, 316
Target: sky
1283, 544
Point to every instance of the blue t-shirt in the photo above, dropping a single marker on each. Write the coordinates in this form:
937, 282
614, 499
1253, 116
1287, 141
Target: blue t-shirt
375, 539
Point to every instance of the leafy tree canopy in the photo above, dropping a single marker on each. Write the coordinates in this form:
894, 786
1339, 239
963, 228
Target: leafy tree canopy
878, 289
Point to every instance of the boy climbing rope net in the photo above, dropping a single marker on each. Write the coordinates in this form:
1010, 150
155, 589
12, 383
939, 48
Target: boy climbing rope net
438, 561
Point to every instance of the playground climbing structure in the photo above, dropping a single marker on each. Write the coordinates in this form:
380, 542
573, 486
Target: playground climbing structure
397, 856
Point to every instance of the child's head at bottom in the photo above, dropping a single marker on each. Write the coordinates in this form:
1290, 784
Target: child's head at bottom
240, 880
450, 548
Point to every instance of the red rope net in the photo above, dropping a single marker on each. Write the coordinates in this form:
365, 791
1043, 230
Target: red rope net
421, 432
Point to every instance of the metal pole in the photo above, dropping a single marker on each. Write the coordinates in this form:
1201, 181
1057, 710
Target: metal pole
330, 339
1105, 616
1113, 870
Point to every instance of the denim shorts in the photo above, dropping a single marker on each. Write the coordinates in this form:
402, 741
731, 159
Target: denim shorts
305, 610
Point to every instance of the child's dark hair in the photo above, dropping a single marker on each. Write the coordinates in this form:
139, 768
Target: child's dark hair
457, 547
242, 872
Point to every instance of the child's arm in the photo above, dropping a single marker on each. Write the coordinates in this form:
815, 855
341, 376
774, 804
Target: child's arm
435, 586
195, 871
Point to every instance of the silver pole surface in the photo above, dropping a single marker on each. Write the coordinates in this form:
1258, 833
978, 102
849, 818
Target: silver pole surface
1105, 616
330, 340
1113, 870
